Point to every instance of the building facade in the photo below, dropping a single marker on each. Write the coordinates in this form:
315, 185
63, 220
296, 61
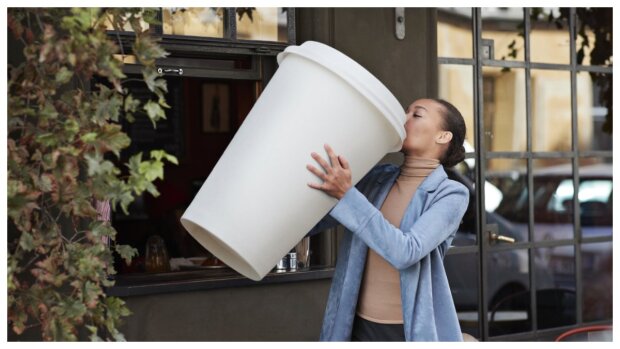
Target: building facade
531, 259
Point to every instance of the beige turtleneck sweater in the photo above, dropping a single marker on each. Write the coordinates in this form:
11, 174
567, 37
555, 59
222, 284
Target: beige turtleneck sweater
379, 299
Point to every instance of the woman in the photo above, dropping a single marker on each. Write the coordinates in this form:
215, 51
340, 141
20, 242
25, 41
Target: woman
390, 283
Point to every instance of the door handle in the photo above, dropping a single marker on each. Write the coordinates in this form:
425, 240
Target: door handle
496, 237
492, 231
170, 70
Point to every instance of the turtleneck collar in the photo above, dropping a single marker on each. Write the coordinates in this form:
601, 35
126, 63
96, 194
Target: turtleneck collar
416, 167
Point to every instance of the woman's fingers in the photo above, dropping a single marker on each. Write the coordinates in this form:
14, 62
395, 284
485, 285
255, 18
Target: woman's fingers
332, 156
315, 186
322, 162
343, 162
317, 172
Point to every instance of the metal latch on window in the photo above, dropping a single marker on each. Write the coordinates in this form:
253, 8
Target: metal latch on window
400, 23
170, 70
488, 49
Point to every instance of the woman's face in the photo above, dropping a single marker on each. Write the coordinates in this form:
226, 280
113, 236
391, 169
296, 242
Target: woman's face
424, 128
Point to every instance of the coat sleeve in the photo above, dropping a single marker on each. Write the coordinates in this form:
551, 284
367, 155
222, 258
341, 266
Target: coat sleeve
403, 249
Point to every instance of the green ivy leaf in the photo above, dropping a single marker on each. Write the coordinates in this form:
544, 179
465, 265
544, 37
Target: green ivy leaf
101, 229
114, 139
154, 111
46, 182
48, 139
131, 104
161, 154
48, 111
152, 170
89, 137
126, 252
63, 76
153, 82
26, 242
108, 106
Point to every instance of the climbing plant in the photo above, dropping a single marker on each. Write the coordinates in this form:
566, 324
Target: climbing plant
64, 135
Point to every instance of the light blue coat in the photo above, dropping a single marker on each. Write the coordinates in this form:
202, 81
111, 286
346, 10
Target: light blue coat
416, 249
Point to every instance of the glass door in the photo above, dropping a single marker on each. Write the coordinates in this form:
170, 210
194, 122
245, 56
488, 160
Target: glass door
538, 112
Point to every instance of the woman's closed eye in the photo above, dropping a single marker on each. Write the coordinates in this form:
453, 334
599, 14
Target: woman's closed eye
417, 115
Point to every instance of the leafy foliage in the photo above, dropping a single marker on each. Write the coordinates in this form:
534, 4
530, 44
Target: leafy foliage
62, 133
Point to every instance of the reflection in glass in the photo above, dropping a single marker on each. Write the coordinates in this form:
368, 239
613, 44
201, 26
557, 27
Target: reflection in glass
126, 59
594, 100
553, 199
549, 37
596, 196
551, 110
454, 38
508, 292
597, 280
462, 271
193, 21
594, 42
262, 23
127, 26
456, 85
466, 233
555, 286
504, 25
506, 197
505, 126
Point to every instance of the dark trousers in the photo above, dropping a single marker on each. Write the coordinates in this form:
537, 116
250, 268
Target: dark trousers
368, 331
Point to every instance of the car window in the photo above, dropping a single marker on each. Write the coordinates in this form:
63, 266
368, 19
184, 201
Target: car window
553, 200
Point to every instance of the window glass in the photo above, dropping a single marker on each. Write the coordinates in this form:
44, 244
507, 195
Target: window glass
504, 108
504, 27
508, 292
456, 85
551, 110
593, 42
549, 37
262, 23
555, 286
553, 199
454, 38
594, 105
597, 281
506, 197
193, 21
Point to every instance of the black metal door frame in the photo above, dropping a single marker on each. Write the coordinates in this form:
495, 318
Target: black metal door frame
484, 248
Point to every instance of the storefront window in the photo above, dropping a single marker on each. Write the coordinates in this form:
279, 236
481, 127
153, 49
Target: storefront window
506, 198
127, 27
505, 127
597, 281
454, 37
262, 23
555, 286
530, 136
594, 99
503, 26
551, 111
508, 292
193, 21
549, 37
456, 85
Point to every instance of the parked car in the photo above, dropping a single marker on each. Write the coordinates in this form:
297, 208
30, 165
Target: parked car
508, 270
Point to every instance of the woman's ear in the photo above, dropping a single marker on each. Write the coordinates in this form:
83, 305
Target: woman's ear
443, 137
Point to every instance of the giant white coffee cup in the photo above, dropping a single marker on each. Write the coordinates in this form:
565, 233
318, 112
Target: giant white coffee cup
256, 204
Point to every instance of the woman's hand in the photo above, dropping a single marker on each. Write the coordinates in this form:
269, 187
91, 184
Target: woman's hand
336, 178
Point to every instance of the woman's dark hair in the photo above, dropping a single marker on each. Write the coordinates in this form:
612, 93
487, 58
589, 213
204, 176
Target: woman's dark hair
453, 122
